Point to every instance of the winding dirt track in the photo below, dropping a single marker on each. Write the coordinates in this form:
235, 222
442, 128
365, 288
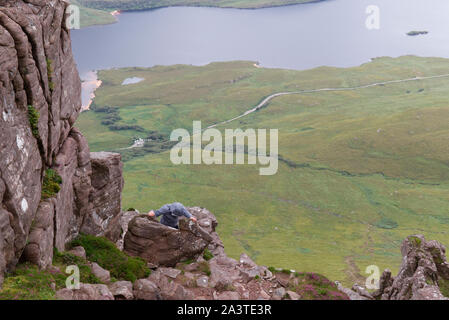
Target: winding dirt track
275, 95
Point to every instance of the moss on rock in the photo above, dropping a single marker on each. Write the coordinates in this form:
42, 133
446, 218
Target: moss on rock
33, 117
27, 282
108, 256
51, 184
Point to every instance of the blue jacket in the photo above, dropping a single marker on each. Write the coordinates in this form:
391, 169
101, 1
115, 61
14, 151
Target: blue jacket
171, 212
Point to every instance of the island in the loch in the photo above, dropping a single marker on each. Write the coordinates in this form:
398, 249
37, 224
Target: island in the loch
417, 33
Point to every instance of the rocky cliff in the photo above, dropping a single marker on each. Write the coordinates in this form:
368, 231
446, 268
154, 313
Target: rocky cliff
50, 185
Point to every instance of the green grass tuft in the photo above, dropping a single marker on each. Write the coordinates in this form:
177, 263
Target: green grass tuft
64, 259
33, 116
51, 185
50, 75
207, 255
108, 256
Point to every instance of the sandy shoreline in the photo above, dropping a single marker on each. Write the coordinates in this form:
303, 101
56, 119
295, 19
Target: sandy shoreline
89, 84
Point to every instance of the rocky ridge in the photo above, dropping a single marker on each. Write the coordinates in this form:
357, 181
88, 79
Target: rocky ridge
190, 264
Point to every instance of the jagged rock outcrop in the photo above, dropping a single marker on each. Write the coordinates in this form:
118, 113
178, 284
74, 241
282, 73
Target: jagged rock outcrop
106, 196
208, 222
181, 271
204, 276
423, 275
164, 246
40, 100
423, 270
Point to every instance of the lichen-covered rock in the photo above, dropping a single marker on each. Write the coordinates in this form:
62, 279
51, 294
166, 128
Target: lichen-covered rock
162, 245
423, 267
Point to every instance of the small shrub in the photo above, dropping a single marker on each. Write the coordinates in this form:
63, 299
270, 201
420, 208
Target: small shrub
51, 184
50, 75
207, 255
109, 257
33, 117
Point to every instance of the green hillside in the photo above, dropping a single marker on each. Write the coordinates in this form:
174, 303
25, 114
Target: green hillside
151, 4
360, 169
90, 16
97, 12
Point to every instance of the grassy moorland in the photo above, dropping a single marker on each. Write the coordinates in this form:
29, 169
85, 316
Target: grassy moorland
360, 169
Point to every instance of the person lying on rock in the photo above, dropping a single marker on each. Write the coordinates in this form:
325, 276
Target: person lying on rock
170, 214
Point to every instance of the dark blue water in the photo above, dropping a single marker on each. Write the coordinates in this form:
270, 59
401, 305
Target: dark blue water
329, 33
